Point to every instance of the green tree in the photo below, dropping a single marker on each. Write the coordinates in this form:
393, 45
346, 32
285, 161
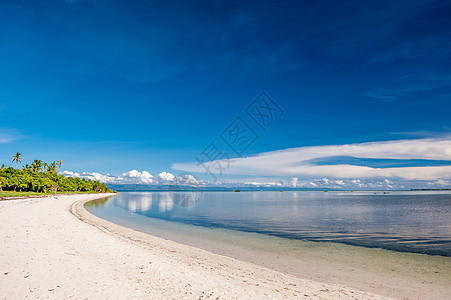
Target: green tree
13, 182
30, 179
3, 183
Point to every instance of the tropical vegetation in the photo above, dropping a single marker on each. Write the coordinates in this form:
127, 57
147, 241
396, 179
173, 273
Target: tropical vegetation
41, 177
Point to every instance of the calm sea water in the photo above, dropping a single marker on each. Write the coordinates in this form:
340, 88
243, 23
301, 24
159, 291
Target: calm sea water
417, 222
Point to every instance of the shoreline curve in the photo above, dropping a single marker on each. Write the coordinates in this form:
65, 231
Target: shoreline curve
256, 281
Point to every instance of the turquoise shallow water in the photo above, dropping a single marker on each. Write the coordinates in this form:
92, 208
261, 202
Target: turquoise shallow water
418, 222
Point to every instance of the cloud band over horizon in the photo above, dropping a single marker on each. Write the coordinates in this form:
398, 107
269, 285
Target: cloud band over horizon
399, 164
300, 161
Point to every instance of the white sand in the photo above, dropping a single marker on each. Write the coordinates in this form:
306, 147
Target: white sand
393, 274
48, 252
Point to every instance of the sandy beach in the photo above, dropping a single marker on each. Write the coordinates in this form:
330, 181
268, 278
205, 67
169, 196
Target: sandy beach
54, 248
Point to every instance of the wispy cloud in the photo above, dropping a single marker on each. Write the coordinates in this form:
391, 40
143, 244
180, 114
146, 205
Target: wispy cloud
297, 161
9, 135
392, 94
387, 95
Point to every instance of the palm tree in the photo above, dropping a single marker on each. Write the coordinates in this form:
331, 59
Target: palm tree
17, 158
60, 162
37, 165
52, 167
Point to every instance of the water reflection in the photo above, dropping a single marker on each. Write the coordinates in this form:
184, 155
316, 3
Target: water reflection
166, 202
400, 221
186, 199
97, 202
146, 201
143, 201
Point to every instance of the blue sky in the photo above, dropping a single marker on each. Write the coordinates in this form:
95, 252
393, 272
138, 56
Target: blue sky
114, 86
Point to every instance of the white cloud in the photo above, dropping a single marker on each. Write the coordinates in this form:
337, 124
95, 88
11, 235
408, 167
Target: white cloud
263, 184
137, 177
296, 161
144, 177
318, 183
92, 176
166, 176
130, 177
294, 182
348, 184
295, 168
441, 183
189, 179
